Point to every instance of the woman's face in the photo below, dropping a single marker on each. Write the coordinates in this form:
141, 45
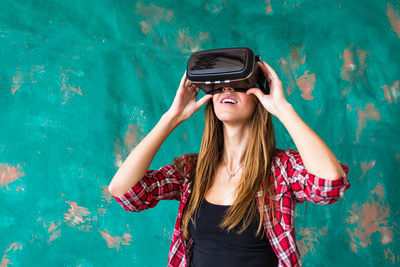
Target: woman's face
240, 112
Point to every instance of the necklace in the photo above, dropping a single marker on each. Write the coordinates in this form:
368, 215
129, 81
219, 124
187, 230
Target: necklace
233, 174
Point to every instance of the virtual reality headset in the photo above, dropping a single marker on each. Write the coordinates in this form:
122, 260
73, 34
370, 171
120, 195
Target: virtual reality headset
237, 67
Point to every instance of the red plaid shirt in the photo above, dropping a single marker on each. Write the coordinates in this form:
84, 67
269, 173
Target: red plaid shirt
293, 184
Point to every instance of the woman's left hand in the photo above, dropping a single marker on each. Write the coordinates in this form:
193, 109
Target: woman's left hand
275, 100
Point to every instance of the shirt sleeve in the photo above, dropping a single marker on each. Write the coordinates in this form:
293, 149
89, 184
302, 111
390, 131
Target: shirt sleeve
166, 183
307, 186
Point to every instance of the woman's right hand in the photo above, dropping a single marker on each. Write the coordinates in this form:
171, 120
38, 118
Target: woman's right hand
184, 104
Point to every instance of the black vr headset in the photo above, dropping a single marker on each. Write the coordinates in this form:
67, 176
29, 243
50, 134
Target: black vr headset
211, 70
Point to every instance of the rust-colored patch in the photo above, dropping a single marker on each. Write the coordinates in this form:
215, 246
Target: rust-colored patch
373, 216
78, 216
310, 236
354, 66
290, 65
18, 79
101, 211
145, 27
105, 194
5, 261
369, 113
214, 8
154, 13
66, 88
394, 18
391, 92
348, 66
52, 229
306, 84
391, 256
119, 159
296, 58
268, 8
189, 43
130, 140
131, 136
154, 16
365, 167
9, 174
116, 241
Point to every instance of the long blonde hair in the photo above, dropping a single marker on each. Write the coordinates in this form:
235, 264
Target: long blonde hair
257, 166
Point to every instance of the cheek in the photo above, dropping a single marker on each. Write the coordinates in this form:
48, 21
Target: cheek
214, 99
250, 109
250, 103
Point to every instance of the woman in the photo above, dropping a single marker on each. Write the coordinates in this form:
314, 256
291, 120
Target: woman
229, 214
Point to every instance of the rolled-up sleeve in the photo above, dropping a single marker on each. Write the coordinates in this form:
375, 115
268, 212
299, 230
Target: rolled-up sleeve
307, 186
163, 184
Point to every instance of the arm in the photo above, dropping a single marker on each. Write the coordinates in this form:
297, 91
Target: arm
304, 178
318, 158
165, 183
313, 173
136, 164
316, 155
305, 185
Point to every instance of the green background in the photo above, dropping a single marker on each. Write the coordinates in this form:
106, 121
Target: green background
82, 82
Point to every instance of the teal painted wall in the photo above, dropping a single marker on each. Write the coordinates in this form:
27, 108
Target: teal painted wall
82, 82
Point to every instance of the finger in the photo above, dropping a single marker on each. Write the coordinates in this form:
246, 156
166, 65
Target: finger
192, 88
188, 83
271, 71
183, 79
203, 100
255, 91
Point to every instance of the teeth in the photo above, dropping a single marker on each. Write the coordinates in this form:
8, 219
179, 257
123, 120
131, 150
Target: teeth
227, 100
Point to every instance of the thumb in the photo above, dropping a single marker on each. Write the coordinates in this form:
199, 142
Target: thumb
203, 100
255, 91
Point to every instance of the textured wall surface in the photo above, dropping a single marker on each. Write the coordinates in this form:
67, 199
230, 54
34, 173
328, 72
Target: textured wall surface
82, 82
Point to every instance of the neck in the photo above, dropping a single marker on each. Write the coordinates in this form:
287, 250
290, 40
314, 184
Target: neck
236, 139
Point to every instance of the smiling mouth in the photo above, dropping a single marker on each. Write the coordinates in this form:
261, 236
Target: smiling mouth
228, 101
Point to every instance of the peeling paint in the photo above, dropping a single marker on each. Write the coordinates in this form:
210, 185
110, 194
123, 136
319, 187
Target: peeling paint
371, 217
369, 113
9, 174
394, 18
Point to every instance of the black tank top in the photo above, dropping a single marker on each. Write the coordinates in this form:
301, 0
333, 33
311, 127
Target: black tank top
213, 246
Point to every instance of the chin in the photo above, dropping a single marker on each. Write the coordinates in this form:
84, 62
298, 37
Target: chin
231, 119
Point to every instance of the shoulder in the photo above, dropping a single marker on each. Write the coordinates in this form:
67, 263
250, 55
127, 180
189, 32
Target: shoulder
186, 164
285, 155
286, 161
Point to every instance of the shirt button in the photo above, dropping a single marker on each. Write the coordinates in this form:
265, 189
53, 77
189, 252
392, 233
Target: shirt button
189, 191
